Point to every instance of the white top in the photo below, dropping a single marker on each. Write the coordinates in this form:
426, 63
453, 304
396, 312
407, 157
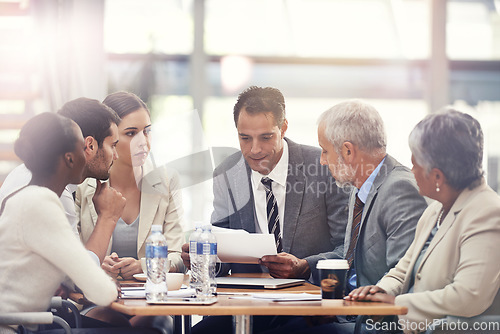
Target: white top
278, 175
21, 176
38, 250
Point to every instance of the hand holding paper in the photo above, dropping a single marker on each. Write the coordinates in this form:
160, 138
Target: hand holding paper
239, 246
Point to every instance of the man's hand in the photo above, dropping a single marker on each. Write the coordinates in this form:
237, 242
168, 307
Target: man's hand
371, 293
108, 202
185, 256
286, 265
109, 205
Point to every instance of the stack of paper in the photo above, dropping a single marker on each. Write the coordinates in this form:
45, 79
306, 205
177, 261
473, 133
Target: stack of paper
139, 292
281, 297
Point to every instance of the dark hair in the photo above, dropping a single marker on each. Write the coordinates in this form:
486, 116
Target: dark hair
257, 99
452, 142
93, 117
42, 140
123, 103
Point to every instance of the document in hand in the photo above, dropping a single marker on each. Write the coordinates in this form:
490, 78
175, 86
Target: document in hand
239, 246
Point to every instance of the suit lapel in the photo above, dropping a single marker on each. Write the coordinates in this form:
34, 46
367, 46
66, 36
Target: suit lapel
247, 211
348, 230
448, 221
419, 244
241, 196
293, 199
151, 194
89, 195
91, 189
385, 169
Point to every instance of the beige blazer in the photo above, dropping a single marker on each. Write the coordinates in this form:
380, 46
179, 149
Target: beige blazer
161, 204
460, 272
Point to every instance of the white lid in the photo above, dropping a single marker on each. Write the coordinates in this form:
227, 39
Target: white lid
156, 228
332, 264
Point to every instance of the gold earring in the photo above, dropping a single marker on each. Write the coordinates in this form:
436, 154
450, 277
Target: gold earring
437, 188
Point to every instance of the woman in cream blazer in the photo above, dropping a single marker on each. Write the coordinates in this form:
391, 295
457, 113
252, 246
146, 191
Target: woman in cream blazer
452, 268
161, 204
153, 194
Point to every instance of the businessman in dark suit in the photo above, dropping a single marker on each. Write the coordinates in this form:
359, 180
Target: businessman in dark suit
311, 210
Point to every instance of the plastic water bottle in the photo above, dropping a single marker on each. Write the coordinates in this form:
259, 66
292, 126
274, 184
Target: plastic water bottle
156, 263
213, 260
207, 257
193, 257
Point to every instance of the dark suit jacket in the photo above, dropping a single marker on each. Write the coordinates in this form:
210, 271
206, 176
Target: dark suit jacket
388, 223
315, 209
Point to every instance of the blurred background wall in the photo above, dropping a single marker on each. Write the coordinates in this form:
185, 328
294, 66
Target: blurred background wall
189, 59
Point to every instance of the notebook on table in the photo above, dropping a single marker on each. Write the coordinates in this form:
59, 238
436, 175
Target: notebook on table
257, 282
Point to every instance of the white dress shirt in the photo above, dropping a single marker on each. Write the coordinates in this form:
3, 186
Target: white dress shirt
278, 175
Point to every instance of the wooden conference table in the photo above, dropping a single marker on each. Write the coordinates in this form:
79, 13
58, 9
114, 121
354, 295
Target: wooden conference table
242, 310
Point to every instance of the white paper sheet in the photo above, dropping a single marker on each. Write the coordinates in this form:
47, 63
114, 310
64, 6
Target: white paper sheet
239, 246
281, 297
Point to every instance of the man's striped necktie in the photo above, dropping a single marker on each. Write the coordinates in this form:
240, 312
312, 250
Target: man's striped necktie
356, 224
273, 219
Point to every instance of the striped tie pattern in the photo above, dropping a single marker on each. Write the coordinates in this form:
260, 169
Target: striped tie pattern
273, 219
356, 223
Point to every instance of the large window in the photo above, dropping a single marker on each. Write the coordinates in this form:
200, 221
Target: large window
317, 52
144, 26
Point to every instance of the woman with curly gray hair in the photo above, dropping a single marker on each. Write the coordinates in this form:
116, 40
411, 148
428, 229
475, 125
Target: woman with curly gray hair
452, 268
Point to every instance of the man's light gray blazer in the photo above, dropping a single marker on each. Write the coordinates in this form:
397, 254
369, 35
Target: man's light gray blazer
315, 208
390, 215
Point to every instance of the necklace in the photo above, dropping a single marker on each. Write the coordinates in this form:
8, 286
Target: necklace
439, 219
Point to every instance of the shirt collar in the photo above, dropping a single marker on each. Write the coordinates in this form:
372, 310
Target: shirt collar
365, 188
279, 172
71, 187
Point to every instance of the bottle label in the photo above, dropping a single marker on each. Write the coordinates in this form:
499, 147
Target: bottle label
207, 248
156, 251
192, 247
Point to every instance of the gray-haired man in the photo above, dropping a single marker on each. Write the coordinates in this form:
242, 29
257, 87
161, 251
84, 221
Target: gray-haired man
385, 204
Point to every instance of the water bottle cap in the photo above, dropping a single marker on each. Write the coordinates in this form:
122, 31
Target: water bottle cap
207, 227
156, 228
